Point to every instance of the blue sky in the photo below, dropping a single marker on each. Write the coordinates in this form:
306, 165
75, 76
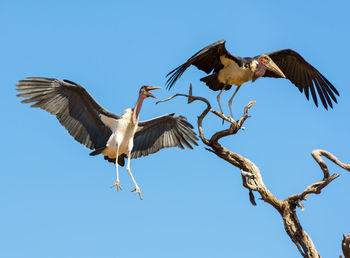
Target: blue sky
55, 198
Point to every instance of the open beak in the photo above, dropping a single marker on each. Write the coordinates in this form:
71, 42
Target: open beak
148, 88
274, 68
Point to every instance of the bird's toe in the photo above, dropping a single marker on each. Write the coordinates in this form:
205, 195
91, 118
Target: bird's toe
117, 184
137, 190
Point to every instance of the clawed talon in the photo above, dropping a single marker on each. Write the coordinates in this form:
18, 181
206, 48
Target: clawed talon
117, 183
137, 190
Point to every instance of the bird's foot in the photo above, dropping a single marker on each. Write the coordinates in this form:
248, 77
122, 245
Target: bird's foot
137, 190
117, 183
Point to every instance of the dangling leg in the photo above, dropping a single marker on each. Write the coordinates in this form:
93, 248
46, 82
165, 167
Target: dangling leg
137, 189
218, 99
230, 101
117, 183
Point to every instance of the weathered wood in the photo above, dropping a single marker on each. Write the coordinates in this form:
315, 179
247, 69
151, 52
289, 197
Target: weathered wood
252, 179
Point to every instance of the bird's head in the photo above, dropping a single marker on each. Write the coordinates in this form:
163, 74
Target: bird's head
145, 91
263, 63
143, 94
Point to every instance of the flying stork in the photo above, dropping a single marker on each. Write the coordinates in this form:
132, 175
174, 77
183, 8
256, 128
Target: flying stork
228, 70
114, 136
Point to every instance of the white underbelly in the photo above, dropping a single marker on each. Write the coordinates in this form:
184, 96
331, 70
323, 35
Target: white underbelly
122, 138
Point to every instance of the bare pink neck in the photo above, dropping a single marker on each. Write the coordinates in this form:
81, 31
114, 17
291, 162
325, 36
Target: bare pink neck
260, 71
137, 109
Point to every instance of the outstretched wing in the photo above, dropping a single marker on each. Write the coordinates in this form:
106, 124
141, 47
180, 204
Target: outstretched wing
206, 60
75, 109
162, 132
304, 76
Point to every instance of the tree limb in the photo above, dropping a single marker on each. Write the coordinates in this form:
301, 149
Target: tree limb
316, 154
252, 179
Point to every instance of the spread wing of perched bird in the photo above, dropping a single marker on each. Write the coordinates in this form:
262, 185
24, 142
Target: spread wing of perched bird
227, 70
114, 136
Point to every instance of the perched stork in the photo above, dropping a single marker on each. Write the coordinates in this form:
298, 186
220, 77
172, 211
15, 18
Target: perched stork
231, 70
114, 136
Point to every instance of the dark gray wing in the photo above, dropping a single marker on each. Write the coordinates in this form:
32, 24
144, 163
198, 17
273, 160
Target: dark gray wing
207, 60
304, 76
75, 109
162, 132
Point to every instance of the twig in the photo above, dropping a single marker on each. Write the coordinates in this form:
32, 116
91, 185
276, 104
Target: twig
316, 154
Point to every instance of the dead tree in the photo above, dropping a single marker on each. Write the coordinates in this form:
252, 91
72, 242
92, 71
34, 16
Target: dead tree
252, 178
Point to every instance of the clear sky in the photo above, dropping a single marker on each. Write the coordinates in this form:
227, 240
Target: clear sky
56, 200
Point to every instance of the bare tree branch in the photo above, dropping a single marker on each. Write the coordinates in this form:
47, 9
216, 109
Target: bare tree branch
252, 179
200, 118
316, 154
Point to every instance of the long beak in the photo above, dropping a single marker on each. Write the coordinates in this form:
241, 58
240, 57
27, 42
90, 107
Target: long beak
148, 88
274, 68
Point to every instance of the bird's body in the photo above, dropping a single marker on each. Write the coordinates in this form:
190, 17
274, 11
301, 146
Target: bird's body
232, 73
227, 70
115, 136
122, 137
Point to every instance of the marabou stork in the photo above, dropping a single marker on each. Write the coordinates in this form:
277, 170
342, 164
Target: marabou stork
114, 136
231, 70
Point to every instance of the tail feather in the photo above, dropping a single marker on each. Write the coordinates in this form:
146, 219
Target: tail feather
214, 84
121, 158
97, 151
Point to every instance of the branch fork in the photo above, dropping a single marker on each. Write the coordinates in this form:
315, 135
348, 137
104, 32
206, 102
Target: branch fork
252, 179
